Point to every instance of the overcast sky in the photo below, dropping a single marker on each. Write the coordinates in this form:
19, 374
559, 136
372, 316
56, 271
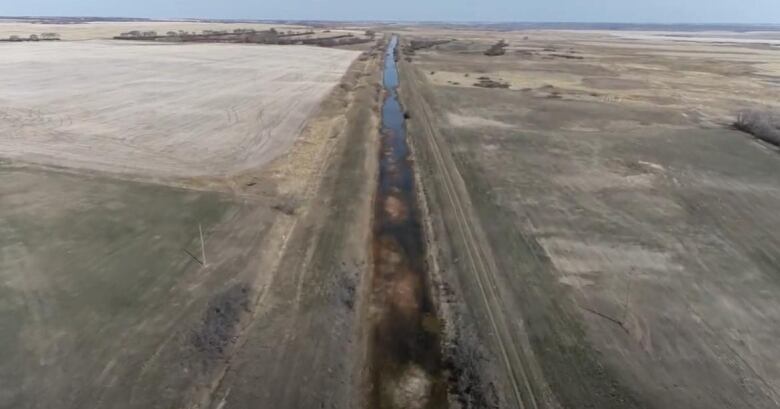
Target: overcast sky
632, 11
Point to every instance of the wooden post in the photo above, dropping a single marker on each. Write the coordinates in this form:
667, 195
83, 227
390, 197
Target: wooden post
202, 245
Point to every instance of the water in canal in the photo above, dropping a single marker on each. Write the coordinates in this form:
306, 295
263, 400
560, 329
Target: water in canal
406, 362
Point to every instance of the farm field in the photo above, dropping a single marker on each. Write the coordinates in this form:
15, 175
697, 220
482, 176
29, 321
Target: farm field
161, 111
165, 206
602, 236
484, 216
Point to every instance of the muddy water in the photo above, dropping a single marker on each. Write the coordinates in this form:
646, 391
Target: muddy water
406, 367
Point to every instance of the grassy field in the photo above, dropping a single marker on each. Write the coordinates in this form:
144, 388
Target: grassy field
95, 276
605, 239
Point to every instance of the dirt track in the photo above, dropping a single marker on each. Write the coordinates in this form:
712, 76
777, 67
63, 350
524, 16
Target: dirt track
464, 227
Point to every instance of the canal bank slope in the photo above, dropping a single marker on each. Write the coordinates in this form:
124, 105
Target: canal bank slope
488, 363
303, 346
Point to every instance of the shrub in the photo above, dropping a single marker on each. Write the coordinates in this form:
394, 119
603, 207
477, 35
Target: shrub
763, 125
497, 49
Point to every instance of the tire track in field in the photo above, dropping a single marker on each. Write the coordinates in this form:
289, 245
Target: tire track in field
479, 259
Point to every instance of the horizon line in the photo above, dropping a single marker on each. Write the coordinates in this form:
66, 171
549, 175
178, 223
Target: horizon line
494, 22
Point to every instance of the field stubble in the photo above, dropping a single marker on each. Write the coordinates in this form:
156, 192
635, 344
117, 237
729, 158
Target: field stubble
160, 111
